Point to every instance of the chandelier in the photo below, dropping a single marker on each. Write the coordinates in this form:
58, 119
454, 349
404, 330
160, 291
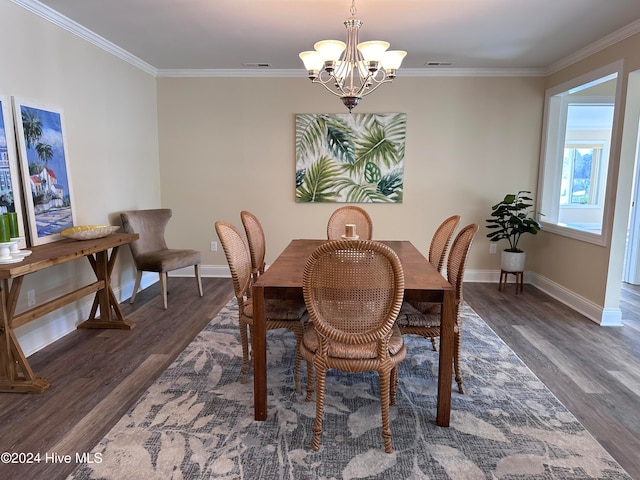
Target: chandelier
352, 70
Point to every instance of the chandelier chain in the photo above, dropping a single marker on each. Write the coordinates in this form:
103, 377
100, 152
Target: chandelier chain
353, 8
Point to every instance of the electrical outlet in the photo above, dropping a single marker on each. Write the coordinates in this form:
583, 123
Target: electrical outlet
214, 246
31, 298
492, 248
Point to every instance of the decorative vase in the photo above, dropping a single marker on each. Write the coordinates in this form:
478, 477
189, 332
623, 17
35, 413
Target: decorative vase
512, 261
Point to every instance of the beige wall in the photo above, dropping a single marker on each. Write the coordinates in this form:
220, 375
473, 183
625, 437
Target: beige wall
210, 147
111, 127
227, 144
591, 271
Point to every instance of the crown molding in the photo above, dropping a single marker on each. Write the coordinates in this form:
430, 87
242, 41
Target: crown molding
60, 20
471, 72
404, 72
595, 47
240, 72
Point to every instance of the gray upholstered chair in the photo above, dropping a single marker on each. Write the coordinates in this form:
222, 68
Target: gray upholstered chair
151, 253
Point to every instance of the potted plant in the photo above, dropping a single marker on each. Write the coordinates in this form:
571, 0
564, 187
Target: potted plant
510, 219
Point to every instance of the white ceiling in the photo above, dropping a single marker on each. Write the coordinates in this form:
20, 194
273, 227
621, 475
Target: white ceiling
228, 34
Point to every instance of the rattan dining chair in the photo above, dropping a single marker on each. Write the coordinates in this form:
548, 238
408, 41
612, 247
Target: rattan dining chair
150, 251
414, 322
290, 314
353, 291
437, 254
441, 240
353, 215
256, 240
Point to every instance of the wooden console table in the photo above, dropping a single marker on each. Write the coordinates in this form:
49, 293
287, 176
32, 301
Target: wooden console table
15, 373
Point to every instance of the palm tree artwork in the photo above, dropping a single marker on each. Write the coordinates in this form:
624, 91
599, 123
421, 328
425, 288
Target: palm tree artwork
43, 147
355, 158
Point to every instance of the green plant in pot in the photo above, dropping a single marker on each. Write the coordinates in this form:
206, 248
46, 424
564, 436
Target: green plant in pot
510, 219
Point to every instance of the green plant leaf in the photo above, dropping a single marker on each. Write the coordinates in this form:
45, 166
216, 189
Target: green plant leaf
319, 182
372, 173
340, 144
391, 183
511, 218
360, 193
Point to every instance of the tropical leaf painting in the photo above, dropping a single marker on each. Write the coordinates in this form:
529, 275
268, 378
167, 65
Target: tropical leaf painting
354, 158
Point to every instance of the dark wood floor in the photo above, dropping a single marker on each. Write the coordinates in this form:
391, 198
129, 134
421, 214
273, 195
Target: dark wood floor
97, 375
594, 371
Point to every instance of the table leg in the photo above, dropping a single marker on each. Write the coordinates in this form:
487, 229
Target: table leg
445, 366
259, 339
104, 298
15, 372
519, 282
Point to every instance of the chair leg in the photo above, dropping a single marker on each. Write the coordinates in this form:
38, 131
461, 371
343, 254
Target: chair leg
244, 340
309, 381
198, 279
136, 286
296, 371
321, 376
385, 384
457, 336
393, 386
163, 287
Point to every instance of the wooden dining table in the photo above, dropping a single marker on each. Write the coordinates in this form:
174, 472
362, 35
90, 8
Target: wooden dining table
283, 279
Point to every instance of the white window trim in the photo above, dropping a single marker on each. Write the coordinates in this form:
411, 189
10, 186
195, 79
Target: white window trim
603, 237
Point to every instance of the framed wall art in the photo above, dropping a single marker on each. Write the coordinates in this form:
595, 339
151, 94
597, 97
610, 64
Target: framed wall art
44, 165
355, 158
10, 189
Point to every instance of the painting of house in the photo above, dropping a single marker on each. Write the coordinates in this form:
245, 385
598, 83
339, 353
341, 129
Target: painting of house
44, 165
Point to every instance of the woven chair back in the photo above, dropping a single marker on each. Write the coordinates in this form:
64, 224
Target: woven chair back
256, 240
441, 240
353, 290
238, 258
458, 258
350, 214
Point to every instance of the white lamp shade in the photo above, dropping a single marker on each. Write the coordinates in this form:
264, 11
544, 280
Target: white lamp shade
312, 61
392, 59
373, 51
330, 50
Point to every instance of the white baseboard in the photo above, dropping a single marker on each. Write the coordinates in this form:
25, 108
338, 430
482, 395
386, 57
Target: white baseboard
602, 316
41, 332
212, 271
46, 330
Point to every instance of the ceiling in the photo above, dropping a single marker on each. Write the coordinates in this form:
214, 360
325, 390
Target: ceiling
239, 34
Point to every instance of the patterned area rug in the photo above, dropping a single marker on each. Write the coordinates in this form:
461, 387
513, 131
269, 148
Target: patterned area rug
196, 421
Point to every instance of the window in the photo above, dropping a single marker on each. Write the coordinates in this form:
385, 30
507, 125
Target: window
580, 178
579, 121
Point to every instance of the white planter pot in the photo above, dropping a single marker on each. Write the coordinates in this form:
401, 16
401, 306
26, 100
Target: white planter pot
513, 261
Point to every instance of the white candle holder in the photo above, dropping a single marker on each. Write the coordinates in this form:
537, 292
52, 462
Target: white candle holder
5, 250
15, 241
350, 232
